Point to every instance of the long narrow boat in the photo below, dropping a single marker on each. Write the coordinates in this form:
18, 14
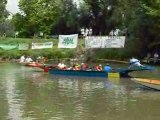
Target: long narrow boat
123, 72
35, 64
151, 83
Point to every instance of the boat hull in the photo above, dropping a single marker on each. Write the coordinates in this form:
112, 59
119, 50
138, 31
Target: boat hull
123, 72
151, 83
78, 73
34, 64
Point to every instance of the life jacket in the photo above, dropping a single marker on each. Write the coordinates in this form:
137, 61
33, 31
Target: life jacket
76, 67
99, 68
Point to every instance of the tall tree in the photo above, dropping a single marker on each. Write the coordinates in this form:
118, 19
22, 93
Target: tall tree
142, 20
20, 23
3, 15
68, 22
105, 15
151, 9
38, 15
6, 28
3, 11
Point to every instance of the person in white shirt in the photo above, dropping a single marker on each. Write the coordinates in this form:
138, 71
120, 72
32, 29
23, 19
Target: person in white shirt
22, 59
61, 65
134, 62
156, 56
28, 60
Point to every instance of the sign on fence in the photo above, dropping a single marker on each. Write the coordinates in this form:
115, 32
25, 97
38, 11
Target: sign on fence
68, 41
105, 42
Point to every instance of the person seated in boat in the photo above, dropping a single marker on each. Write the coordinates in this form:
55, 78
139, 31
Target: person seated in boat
45, 59
65, 67
83, 66
76, 67
107, 68
134, 62
99, 67
28, 59
22, 59
38, 59
61, 65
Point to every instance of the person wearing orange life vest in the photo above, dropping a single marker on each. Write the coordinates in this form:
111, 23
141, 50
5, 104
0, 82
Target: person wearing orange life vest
76, 67
99, 67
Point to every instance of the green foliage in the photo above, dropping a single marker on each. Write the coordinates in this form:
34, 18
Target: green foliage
53, 53
3, 12
6, 28
140, 19
145, 25
10, 54
105, 15
38, 16
68, 22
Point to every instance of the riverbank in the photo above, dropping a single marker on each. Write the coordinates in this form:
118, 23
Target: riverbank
72, 60
80, 52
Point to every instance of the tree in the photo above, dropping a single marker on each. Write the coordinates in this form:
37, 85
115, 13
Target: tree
152, 9
20, 24
3, 15
3, 12
68, 22
6, 28
37, 16
105, 15
142, 21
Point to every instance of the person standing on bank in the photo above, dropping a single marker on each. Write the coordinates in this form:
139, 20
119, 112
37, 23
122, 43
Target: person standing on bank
156, 56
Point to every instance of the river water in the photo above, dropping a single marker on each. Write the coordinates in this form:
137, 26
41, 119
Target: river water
29, 94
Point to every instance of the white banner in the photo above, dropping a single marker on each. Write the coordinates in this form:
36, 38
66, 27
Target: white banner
23, 46
68, 41
42, 45
105, 42
93, 41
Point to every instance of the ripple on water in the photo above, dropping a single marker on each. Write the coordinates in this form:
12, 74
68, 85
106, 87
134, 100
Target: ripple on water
31, 95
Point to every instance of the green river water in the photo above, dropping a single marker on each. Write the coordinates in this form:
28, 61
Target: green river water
29, 94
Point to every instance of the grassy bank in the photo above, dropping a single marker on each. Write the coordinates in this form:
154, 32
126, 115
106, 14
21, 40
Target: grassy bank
56, 53
50, 53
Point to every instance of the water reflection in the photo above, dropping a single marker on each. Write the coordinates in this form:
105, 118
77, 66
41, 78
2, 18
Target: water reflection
30, 94
14, 101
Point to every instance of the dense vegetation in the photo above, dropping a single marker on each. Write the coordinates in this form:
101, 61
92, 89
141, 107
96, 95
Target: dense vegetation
139, 20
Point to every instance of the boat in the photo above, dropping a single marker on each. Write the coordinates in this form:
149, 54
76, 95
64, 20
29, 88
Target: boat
34, 64
123, 72
151, 83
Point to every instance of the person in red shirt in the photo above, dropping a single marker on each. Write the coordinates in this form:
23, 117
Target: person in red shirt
99, 67
83, 66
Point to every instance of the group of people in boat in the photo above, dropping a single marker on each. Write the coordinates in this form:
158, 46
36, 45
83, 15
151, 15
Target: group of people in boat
28, 59
24, 59
82, 66
132, 63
